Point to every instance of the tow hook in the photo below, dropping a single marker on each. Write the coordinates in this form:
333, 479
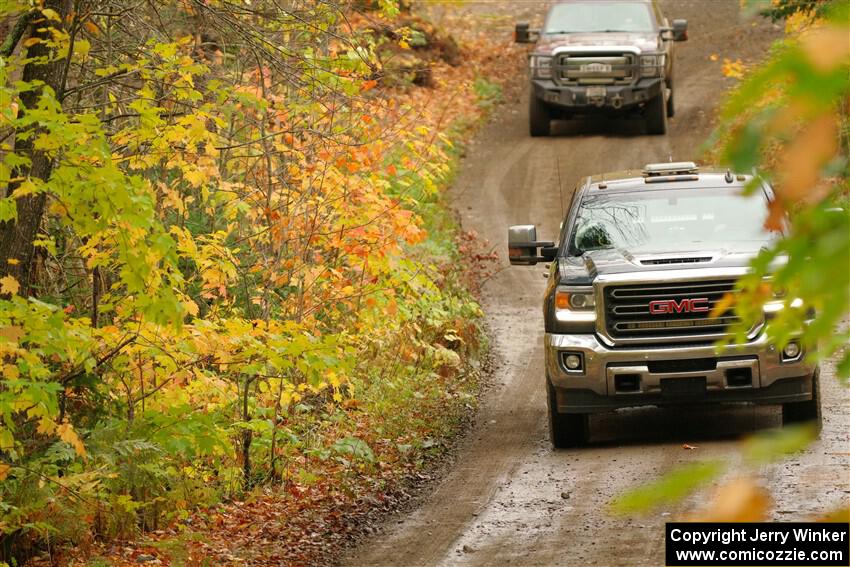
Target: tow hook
617, 101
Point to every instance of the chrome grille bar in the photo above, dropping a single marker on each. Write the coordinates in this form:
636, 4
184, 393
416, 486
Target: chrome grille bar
596, 69
628, 318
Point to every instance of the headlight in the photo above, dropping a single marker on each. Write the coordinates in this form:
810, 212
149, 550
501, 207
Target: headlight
651, 65
575, 300
541, 66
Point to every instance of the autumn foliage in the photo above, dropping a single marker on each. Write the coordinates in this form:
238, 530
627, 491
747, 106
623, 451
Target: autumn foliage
225, 263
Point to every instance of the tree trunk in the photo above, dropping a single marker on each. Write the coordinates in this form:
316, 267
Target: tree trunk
17, 236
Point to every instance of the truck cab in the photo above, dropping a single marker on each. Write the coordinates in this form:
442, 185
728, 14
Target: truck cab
592, 56
639, 305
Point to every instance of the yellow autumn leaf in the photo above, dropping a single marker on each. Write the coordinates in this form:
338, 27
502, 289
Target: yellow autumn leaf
9, 285
191, 307
13, 261
195, 177
51, 14
733, 69
45, 426
4, 471
68, 435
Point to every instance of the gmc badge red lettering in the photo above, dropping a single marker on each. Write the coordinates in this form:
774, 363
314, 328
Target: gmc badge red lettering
663, 306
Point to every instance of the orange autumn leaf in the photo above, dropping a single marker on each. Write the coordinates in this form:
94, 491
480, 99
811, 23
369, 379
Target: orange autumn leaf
726, 302
740, 500
800, 163
68, 435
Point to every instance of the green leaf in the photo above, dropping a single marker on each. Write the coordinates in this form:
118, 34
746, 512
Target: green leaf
775, 444
670, 488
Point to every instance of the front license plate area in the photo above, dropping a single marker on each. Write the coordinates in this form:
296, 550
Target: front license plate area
683, 387
596, 92
596, 68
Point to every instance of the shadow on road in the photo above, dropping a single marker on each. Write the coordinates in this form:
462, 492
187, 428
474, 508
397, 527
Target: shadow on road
689, 424
594, 125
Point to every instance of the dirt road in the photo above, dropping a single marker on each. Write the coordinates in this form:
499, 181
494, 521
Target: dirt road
511, 499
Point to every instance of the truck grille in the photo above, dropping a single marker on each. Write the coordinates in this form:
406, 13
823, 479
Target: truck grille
667, 312
595, 69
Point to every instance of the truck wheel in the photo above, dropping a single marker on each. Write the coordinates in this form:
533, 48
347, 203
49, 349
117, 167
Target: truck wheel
565, 429
539, 118
656, 115
805, 412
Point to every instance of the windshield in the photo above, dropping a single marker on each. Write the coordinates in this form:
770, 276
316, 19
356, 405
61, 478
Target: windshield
671, 221
578, 17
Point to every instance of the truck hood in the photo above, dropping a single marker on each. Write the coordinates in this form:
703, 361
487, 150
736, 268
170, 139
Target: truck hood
582, 270
646, 42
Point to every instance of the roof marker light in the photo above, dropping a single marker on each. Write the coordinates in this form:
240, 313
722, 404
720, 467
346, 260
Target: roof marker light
675, 168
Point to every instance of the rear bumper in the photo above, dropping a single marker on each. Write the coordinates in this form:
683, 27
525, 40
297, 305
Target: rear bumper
672, 375
576, 98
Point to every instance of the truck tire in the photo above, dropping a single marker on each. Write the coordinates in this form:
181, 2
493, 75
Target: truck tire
539, 118
805, 412
565, 429
656, 115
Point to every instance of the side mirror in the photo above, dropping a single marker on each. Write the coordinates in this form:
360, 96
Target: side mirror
680, 30
523, 246
524, 34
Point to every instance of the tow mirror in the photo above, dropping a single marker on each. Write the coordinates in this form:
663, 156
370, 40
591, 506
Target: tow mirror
523, 246
524, 34
680, 30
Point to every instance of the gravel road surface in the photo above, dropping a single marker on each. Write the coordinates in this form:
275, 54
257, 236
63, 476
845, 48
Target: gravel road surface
512, 500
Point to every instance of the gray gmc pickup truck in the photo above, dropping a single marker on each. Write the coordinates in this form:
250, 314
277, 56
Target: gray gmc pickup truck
642, 260
602, 56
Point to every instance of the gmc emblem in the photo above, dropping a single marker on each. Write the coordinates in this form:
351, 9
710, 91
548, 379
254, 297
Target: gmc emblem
697, 305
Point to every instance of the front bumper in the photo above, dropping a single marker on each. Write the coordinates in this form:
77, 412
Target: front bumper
575, 97
664, 375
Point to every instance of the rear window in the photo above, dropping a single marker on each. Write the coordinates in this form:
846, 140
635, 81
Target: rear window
585, 17
670, 221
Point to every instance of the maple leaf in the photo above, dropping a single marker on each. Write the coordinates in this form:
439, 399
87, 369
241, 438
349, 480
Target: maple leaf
9, 285
68, 435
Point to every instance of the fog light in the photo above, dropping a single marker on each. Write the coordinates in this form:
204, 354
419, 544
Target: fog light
573, 361
791, 351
